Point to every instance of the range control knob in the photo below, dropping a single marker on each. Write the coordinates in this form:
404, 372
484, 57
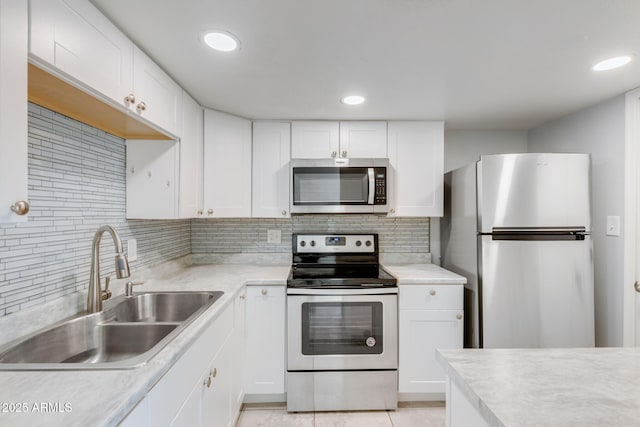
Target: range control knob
358, 243
368, 243
313, 243
303, 243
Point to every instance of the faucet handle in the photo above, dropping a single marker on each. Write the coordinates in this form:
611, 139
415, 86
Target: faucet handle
106, 294
128, 290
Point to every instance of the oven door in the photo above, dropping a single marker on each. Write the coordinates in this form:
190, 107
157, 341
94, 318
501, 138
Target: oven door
342, 332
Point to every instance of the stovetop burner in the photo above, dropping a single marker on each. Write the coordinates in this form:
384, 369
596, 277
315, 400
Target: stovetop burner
337, 261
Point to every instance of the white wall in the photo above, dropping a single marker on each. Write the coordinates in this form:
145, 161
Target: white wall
462, 147
599, 130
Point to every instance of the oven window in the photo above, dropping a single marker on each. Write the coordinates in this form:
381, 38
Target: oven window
330, 186
341, 328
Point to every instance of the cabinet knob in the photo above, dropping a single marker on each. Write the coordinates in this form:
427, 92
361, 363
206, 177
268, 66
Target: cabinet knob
264, 292
432, 292
241, 296
392, 210
207, 381
334, 154
141, 107
210, 212
214, 373
344, 153
129, 99
20, 208
459, 316
284, 213
200, 212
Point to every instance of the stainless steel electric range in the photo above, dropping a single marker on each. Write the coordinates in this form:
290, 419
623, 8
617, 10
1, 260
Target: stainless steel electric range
342, 325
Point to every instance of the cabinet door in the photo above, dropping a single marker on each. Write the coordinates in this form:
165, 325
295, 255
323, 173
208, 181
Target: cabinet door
363, 139
265, 340
237, 362
152, 190
315, 140
421, 332
157, 96
75, 38
216, 394
271, 155
191, 146
13, 107
417, 167
227, 165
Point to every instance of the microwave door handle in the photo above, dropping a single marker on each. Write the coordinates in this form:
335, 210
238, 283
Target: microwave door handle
372, 186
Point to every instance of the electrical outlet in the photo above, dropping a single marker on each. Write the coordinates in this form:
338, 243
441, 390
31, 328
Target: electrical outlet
274, 236
132, 249
613, 226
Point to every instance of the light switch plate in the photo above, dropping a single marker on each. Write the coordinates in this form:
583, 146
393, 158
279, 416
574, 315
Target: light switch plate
613, 226
274, 236
132, 249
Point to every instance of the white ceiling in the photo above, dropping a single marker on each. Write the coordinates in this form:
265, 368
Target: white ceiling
477, 64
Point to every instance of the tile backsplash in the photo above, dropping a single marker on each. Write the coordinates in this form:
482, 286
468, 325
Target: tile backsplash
77, 184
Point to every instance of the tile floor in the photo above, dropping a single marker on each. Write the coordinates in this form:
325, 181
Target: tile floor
405, 416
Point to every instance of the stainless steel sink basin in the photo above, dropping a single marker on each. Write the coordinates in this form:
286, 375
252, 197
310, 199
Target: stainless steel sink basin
127, 333
162, 306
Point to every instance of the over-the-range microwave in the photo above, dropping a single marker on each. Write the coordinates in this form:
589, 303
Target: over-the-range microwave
339, 185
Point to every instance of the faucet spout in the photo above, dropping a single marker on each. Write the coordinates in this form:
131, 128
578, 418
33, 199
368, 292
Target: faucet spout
94, 294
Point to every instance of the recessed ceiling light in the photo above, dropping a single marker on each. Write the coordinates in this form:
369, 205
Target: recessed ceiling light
222, 41
611, 63
353, 100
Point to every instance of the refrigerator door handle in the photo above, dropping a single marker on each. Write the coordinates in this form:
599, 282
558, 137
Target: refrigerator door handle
535, 233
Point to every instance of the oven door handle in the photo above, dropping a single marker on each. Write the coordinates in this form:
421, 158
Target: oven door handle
388, 290
372, 185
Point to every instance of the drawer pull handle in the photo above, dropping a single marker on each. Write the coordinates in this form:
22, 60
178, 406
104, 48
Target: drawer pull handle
432, 292
459, 316
264, 292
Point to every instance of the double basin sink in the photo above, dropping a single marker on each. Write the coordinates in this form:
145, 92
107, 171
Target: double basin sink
127, 333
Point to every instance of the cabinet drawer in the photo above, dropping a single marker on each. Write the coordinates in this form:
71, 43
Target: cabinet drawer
430, 297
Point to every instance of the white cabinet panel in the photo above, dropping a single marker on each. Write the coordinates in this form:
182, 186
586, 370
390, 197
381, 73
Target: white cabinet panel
271, 155
363, 139
315, 140
417, 167
431, 317
421, 332
191, 147
152, 168
237, 348
265, 340
158, 97
227, 165
77, 39
216, 394
13, 108
323, 140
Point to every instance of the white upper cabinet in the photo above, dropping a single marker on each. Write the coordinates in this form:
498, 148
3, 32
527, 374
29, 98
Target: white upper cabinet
13, 108
157, 96
416, 157
74, 37
315, 140
363, 139
323, 140
73, 40
271, 155
191, 147
151, 179
227, 165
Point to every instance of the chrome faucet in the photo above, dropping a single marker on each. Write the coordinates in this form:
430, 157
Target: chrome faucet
96, 295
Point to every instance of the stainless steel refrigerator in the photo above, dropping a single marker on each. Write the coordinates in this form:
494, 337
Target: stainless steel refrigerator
518, 227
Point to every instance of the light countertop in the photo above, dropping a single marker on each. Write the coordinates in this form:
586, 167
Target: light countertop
549, 387
105, 397
408, 274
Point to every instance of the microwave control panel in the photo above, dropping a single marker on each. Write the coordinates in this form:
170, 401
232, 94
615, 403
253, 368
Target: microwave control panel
380, 196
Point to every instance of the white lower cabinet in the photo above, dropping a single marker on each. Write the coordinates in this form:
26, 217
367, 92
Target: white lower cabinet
265, 342
430, 318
